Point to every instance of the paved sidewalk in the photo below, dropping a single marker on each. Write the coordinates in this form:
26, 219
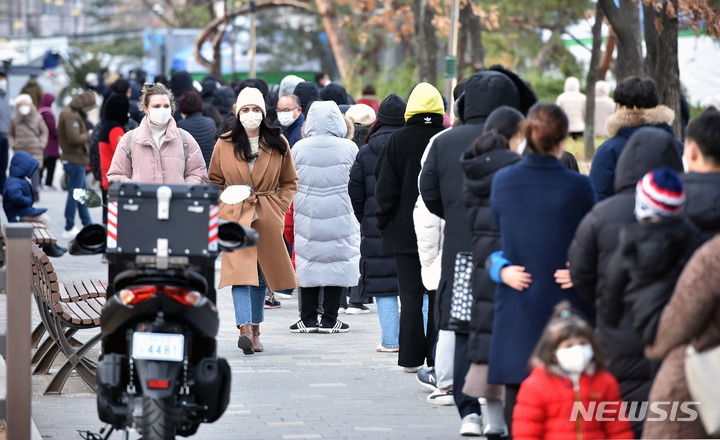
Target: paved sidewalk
304, 386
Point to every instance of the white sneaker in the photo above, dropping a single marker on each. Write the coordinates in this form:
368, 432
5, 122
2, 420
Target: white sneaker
282, 295
442, 398
71, 233
471, 425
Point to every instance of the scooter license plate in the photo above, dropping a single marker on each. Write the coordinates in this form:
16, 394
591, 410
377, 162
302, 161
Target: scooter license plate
158, 346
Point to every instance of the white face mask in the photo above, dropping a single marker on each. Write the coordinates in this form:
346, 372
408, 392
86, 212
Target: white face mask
24, 110
251, 121
286, 118
160, 116
575, 359
3, 84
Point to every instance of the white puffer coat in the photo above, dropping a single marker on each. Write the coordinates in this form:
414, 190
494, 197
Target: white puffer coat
327, 234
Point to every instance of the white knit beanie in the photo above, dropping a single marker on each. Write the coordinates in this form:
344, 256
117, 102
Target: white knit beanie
250, 96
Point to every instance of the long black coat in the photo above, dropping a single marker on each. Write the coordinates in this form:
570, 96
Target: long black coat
203, 129
396, 190
378, 276
441, 180
596, 238
479, 172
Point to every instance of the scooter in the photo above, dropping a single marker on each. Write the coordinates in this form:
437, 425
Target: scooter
159, 372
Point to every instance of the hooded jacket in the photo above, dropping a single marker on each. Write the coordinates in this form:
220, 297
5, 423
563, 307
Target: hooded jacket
72, 132
595, 241
307, 93
378, 276
28, 133
621, 125
441, 179
702, 200
335, 92
572, 101
604, 107
327, 234
479, 172
150, 163
33, 89
398, 168
288, 84
17, 193
51, 149
223, 100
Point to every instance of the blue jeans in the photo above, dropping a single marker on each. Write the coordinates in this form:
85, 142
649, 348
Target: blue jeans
249, 302
76, 179
389, 316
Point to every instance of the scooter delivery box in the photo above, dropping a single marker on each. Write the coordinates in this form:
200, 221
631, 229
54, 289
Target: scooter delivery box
155, 223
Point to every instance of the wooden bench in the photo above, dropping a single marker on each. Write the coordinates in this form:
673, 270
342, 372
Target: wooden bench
65, 308
41, 237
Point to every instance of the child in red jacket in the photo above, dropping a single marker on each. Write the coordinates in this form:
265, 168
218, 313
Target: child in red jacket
569, 394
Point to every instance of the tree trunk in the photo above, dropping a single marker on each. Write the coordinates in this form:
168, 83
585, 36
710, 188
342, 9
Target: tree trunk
589, 135
651, 39
424, 42
477, 50
462, 47
667, 73
336, 34
607, 56
626, 22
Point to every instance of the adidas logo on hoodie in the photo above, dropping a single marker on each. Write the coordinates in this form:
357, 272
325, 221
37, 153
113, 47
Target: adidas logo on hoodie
428, 120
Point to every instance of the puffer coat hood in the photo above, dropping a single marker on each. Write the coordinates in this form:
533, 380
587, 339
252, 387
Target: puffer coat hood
572, 84
83, 102
288, 84
647, 149
602, 89
23, 165
47, 100
424, 98
223, 100
307, 92
335, 92
325, 119
17, 193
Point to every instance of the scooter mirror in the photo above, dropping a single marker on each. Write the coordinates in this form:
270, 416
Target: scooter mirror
89, 241
87, 197
234, 194
232, 236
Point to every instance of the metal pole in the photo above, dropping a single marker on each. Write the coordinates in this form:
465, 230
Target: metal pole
252, 38
451, 59
19, 275
233, 40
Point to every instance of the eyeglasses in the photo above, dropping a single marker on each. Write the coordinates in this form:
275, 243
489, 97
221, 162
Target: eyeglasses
283, 110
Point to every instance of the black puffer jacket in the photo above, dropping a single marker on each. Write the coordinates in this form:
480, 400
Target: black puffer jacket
397, 173
378, 276
702, 200
596, 238
479, 172
441, 180
643, 271
202, 129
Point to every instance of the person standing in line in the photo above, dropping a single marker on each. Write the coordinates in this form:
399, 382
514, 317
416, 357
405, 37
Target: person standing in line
327, 235
369, 97
396, 192
255, 153
572, 101
32, 89
604, 107
74, 140
5, 114
52, 150
537, 204
28, 132
112, 128
200, 127
378, 277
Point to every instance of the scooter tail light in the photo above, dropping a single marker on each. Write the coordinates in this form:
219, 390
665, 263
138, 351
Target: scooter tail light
186, 297
159, 384
135, 295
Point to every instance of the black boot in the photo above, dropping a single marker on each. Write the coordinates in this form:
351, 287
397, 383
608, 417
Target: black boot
53, 250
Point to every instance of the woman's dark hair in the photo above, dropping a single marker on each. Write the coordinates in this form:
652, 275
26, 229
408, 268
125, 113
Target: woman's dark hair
505, 120
545, 127
373, 129
636, 92
565, 323
190, 102
270, 135
490, 140
368, 89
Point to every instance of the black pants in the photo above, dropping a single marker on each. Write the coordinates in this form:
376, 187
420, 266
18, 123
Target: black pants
416, 345
50, 170
465, 404
511, 392
310, 300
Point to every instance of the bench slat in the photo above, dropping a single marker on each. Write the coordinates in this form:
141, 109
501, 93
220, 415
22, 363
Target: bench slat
89, 311
81, 290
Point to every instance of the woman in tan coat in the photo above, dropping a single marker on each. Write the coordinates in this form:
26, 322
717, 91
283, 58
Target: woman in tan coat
255, 153
692, 315
27, 132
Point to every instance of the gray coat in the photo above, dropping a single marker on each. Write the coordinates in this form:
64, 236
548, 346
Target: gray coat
327, 234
